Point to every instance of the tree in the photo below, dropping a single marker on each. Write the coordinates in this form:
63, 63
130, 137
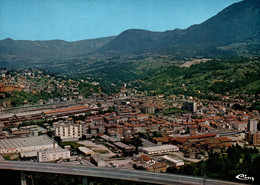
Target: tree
157, 134
136, 141
50, 133
58, 139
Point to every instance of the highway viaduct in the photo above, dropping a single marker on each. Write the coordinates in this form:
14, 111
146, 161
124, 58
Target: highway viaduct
107, 173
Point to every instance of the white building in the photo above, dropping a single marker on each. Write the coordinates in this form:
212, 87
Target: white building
68, 131
240, 126
27, 144
171, 160
252, 125
52, 155
160, 149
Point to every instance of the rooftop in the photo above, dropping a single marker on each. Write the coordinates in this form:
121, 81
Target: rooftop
25, 142
162, 147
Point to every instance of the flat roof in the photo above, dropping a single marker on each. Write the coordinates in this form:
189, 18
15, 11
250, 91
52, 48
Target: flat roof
85, 150
106, 137
122, 145
25, 142
161, 147
174, 160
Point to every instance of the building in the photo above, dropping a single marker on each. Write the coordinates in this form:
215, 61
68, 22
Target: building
160, 149
148, 109
125, 148
68, 131
256, 139
252, 126
85, 151
252, 135
190, 106
113, 130
27, 144
52, 155
157, 167
97, 160
173, 161
240, 126
190, 139
141, 117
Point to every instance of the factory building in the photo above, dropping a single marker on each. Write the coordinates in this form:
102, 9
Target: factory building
27, 144
173, 161
160, 149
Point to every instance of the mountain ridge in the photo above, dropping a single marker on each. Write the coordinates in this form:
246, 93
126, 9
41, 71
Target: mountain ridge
238, 22
234, 31
49, 49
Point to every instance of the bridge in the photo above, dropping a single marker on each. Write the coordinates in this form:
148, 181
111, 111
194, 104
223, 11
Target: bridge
106, 173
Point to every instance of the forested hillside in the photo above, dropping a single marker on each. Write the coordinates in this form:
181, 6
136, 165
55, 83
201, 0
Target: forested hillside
234, 75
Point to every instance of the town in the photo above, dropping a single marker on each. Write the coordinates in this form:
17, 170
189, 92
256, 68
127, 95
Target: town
128, 129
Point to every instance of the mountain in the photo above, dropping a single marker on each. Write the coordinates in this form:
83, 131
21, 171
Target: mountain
23, 49
234, 30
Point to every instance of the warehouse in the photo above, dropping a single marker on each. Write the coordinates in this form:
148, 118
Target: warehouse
173, 161
27, 144
160, 149
85, 151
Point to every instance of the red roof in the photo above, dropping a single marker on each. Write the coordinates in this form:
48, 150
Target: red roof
184, 139
66, 109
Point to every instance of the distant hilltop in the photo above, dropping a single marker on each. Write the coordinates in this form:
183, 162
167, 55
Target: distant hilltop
233, 31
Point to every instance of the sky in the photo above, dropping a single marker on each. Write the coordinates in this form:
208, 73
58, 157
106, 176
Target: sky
73, 20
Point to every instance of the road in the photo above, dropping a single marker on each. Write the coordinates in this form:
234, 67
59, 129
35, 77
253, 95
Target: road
110, 173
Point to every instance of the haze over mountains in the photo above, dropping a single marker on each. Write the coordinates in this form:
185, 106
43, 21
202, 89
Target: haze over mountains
49, 49
234, 31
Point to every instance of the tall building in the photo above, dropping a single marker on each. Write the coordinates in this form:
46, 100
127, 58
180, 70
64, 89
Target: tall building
68, 131
190, 106
252, 126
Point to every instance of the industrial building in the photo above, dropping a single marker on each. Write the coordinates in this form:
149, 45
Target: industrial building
173, 161
160, 149
53, 155
85, 151
27, 144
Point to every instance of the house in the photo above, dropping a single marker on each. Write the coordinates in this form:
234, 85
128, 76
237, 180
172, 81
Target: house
157, 167
146, 160
240, 125
161, 140
113, 130
141, 117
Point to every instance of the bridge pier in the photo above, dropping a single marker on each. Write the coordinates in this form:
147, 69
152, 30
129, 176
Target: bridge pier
86, 181
23, 178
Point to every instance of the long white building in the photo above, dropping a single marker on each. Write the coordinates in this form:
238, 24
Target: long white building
174, 161
160, 149
27, 144
53, 155
68, 131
